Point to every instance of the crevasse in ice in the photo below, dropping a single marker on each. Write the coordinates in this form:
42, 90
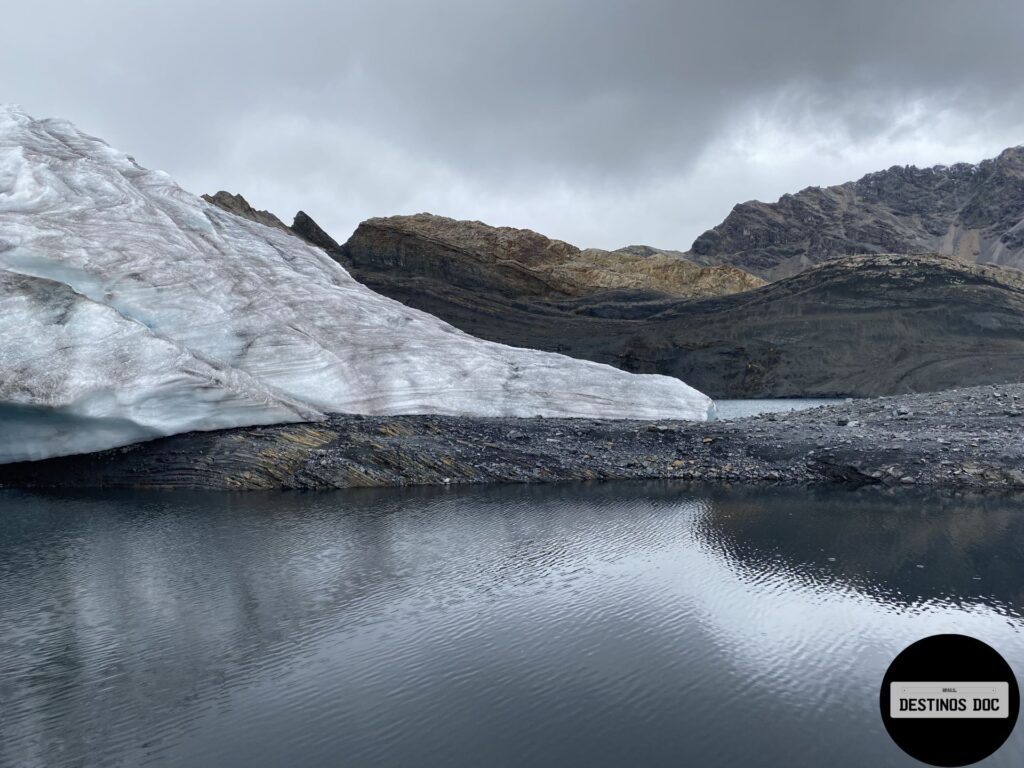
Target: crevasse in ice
131, 309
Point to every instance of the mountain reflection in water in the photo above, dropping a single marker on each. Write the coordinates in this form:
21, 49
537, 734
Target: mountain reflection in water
607, 624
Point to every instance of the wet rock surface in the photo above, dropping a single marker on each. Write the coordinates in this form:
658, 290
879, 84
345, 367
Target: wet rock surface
968, 439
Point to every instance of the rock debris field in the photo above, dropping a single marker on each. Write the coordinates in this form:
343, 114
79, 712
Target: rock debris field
968, 438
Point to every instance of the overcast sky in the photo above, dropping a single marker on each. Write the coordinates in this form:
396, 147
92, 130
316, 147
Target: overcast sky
604, 123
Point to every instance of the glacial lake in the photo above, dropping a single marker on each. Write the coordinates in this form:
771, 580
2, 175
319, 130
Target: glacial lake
625, 624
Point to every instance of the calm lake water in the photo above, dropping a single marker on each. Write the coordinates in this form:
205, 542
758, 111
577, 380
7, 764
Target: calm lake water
603, 625
738, 409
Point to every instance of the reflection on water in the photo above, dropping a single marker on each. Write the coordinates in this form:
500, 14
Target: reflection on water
564, 625
950, 550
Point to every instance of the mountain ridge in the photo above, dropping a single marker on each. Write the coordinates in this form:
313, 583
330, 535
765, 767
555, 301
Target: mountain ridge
974, 212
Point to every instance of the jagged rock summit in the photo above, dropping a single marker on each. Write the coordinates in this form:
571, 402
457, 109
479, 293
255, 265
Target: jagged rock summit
304, 226
239, 206
130, 308
972, 212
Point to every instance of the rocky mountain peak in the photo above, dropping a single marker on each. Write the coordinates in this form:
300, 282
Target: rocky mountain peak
972, 212
1013, 156
646, 250
239, 206
304, 226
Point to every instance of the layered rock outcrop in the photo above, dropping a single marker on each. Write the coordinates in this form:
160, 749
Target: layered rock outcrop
523, 263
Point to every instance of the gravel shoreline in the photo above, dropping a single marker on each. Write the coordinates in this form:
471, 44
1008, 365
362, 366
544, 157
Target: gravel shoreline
967, 438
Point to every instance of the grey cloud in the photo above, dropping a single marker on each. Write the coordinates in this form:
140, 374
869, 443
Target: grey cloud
559, 110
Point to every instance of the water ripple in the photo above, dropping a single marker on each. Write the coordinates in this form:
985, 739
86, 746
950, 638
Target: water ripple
565, 625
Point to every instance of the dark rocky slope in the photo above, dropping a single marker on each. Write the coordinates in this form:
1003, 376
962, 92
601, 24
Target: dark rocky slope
957, 439
972, 212
859, 326
862, 326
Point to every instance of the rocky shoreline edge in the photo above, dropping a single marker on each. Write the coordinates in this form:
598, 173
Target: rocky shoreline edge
967, 438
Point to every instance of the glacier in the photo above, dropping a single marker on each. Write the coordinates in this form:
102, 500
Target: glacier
131, 309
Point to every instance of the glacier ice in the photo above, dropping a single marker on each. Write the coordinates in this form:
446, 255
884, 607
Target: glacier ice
131, 309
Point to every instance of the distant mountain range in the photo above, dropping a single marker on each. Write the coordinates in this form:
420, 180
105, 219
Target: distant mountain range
972, 212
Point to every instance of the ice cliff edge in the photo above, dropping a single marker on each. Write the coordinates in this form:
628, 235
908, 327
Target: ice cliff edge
131, 309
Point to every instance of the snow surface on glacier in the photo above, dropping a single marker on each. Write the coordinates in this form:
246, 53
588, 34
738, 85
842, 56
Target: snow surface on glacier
131, 309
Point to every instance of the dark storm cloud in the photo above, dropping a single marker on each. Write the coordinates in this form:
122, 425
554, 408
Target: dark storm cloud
585, 116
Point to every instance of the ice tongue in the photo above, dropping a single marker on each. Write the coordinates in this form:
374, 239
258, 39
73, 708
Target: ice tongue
130, 308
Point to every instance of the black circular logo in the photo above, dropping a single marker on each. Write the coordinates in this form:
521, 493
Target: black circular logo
949, 700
